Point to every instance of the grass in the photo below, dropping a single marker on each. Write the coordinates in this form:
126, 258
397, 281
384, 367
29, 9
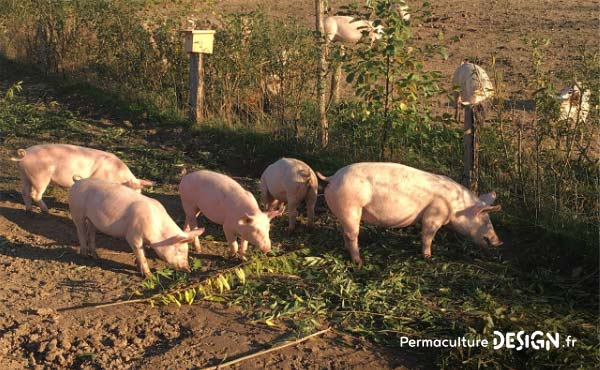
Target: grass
540, 281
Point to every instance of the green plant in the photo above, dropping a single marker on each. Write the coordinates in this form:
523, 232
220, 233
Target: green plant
12, 91
388, 76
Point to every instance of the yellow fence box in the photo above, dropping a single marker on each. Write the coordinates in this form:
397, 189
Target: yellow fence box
199, 41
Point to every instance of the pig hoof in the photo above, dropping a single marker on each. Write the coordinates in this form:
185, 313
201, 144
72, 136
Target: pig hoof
289, 231
239, 256
427, 256
146, 274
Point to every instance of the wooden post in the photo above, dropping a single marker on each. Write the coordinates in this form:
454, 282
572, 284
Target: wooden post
471, 149
197, 43
196, 85
322, 72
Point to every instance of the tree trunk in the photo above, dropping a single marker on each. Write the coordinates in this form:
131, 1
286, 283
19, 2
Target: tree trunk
334, 95
322, 72
387, 124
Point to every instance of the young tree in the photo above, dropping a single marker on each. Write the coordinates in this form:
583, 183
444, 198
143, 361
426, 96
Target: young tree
322, 72
388, 73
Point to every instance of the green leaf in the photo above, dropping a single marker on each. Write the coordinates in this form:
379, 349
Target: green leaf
241, 275
270, 322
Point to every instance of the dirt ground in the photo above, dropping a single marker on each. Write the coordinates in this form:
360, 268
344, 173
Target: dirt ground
47, 288
42, 273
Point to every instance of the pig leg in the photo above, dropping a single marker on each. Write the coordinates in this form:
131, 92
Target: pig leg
137, 244
434, 217
243, 249
26, 193
231, 240
81, 234
37, 190
268, 200
350, 221
275, 204
311, 202
272, 204
265, 197
91, 238
191, 222
292, 213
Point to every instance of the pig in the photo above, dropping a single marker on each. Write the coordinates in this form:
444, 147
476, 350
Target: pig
290, 181
40, 165
402, 10
121, 212
394, 195
349, 29
223, 201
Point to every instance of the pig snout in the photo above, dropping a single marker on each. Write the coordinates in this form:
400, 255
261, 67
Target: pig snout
176, 258
181, 265
494, 241
266, 247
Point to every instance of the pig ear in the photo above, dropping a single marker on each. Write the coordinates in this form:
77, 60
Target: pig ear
145, 183
488, 198
278, 212
132, 185
190, 235
185, 237
169, 241
485, 209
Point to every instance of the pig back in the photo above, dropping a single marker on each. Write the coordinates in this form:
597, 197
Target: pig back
389, 194
112, 208
56, 163
288, 175
219, 197
62, 161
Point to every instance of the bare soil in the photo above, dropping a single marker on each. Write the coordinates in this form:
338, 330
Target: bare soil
42, 273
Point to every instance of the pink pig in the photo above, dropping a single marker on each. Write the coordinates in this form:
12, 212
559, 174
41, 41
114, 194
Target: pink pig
225, 202
348, 29
290, 181
41, 165
119, 211
394, 195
